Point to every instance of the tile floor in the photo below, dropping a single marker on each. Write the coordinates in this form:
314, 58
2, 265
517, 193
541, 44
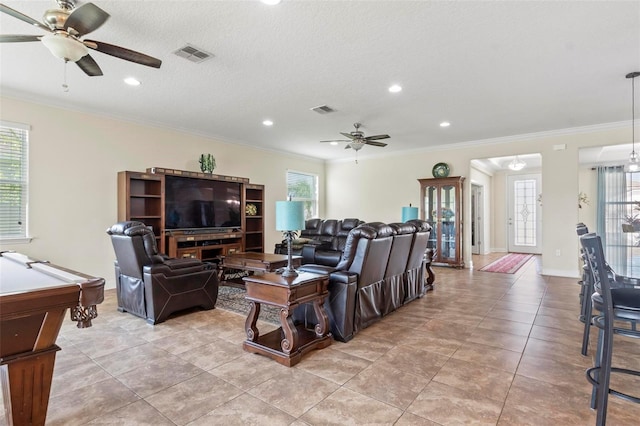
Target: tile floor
483, 348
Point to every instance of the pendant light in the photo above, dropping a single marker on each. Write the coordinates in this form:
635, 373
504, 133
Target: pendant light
517, 164
634, 164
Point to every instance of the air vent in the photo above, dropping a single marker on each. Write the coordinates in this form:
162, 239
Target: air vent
193, 54
323, 109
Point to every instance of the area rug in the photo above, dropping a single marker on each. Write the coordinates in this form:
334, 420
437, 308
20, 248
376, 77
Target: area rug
232, 299
508, 264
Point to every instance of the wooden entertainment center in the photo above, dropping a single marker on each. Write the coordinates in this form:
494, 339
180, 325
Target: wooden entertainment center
141, 197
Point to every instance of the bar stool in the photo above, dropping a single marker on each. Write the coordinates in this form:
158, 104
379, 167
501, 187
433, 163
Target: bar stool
621, 305
586, 309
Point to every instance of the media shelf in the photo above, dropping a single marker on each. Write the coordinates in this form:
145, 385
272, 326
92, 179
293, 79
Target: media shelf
254, 224
206, 247
141, 197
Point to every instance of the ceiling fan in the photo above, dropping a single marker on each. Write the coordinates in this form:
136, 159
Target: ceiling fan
66, 25
357, 139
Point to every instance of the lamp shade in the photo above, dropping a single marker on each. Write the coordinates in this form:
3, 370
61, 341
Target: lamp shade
409, 213
289, 215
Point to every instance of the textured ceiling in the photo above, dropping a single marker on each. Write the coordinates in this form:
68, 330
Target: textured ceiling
491, 68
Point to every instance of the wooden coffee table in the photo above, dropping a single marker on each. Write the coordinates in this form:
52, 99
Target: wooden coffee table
291, 341
255, 262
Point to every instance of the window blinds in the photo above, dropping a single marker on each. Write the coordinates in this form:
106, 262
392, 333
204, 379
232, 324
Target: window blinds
13, 180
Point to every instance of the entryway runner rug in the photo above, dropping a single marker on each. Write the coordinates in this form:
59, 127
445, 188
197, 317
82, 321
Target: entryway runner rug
232, 299
508, 264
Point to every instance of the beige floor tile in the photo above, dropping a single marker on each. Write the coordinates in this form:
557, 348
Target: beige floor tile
488, 356
448, 405
532, 402
390, 385
365, 347
349, 407
137, 413
468, 376
294, 391
248, 370
245, 410
512, 327
88, 403
498, 339
158, 375
193, 398
333, 365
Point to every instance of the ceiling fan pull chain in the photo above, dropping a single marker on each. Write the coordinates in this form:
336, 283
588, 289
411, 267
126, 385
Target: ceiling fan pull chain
65, 87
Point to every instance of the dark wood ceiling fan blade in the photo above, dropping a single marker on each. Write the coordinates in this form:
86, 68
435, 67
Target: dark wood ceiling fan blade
86, 18
348, 135
23, 17
377, 137
122, 53
374, 143
89, 66
18, 38
336, 140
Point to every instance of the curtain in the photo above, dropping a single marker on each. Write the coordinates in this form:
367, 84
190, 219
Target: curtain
610, 214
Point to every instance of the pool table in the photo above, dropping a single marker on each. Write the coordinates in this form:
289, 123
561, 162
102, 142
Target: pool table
34, 297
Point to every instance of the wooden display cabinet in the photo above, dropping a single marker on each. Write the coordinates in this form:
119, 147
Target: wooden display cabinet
441, 206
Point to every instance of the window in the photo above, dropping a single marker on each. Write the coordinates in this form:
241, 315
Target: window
304, 187
14, 183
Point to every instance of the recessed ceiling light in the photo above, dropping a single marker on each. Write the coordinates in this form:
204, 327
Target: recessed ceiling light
445, 124
132, 81
267, 123
333, 143
270, 2
395, 88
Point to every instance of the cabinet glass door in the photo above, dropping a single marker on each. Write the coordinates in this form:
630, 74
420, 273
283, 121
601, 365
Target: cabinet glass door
430, 209
448, 220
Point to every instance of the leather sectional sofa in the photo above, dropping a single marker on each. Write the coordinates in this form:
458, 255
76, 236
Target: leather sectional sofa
322, 241
382, 268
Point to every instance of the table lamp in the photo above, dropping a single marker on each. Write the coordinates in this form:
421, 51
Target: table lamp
289, 218
409, 213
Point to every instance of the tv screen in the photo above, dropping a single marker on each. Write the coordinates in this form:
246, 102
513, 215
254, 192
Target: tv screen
192, 203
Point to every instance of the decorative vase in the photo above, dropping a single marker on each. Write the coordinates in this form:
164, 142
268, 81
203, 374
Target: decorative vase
207, 163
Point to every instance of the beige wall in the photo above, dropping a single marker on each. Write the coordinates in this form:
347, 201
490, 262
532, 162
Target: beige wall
74, 158
383, 184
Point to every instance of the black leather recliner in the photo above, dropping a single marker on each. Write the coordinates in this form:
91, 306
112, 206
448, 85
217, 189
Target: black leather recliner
151, 285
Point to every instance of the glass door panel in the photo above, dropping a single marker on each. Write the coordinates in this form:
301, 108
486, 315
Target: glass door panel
431, 214
448, 213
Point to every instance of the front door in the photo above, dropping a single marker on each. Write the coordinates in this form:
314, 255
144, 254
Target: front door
524, 216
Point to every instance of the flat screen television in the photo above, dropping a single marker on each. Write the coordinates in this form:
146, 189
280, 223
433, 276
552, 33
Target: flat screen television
192, 203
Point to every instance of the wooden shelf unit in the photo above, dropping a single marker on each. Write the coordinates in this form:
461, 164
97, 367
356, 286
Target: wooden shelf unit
254, 224
141, 198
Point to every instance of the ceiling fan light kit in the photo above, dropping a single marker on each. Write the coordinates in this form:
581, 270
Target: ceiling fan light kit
64, 46
65, 25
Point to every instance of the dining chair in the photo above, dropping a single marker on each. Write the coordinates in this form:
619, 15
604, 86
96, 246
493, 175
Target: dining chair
619, 312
